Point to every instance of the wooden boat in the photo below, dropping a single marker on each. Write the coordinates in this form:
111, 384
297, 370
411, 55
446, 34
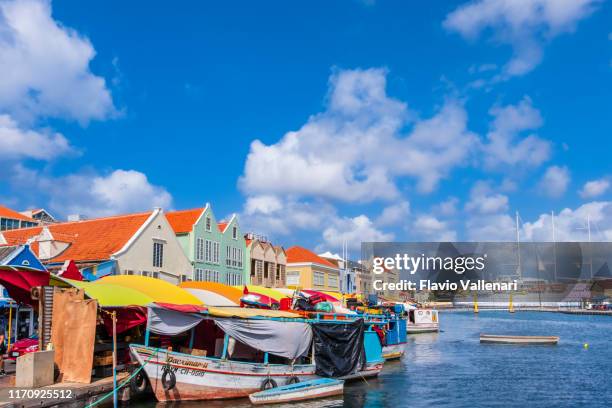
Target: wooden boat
393, 351
319, 388
503, 339
203, 378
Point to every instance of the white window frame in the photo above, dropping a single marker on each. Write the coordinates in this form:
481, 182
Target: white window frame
199, 253
293, 277
318, 277
158, 254
208, 223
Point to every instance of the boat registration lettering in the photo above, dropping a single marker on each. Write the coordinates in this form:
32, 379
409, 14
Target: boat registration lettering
188, 363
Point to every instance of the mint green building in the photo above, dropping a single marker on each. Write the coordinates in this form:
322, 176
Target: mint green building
217, 250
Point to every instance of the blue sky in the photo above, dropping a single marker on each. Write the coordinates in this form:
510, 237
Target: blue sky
412, 120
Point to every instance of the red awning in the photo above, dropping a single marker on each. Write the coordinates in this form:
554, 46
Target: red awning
19, 281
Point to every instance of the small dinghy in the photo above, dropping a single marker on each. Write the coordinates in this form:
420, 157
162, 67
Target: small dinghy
319, 388
503, 339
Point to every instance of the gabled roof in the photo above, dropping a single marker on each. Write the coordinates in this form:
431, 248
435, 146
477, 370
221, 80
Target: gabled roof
90, 240
297, 254
182, 221
222, 225
6, 212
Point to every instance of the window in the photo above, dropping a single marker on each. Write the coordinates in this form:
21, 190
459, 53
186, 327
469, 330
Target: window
318, 278
211, 251
128, 272
158, 254
235, 232
184, 278
145, 273
155, 275
208, 224
199, 255
198, 274
332, 280
293, 278
228, 255
8, 224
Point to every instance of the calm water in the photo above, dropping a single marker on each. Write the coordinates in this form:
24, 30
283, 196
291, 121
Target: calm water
452, 369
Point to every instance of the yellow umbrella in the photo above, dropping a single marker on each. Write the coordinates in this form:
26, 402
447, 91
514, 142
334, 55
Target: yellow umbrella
159, 290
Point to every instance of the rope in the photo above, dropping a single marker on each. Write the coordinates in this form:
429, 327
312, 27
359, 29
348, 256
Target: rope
124, 383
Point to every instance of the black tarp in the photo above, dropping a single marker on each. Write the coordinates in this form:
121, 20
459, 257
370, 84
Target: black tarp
338, 348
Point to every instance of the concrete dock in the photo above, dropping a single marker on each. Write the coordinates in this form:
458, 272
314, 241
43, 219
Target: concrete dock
81, 394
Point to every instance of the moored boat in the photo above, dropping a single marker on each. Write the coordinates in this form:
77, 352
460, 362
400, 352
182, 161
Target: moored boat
207, 378
319, 388
422, 321
393, 351
234, 352
504, 339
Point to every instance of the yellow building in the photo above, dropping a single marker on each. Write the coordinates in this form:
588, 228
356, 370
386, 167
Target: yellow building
307, 270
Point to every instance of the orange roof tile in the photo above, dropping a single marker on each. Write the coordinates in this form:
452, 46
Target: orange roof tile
20, 236
222, 226
8, 213
90, 240
297, 254
182, 221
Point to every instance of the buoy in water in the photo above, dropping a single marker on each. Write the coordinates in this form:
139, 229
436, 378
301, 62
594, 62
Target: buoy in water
585, 345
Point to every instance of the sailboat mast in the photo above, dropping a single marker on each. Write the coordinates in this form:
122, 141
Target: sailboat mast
552, 218
518, 246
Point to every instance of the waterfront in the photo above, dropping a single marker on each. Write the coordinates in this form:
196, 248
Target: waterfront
452, 369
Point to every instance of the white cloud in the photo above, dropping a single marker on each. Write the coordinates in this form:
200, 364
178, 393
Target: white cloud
45, 66
447, 207
525, 25
356, 149
484, 201
273, 216
555, 181
394, 214
17, 143
572, 225
265, 204
490, 227
428, 227
92, 194
594, 188
353, 231
505, 147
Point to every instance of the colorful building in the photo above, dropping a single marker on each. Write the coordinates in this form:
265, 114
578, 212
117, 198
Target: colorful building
41, 215
11, 219
216, 250
132, 244
268, 263
307, 270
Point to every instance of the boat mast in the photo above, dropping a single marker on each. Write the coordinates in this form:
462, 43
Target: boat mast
552, 217
518, 247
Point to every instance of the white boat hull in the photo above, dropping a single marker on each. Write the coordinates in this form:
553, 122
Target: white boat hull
205, 378
412, 328
320, 392
502, 339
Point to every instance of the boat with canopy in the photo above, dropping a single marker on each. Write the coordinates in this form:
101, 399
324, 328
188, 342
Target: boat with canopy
226, 352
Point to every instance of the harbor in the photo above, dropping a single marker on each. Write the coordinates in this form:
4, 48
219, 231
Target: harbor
452, 368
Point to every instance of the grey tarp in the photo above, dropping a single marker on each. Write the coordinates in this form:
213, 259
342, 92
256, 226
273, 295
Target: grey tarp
170, 322
281, 338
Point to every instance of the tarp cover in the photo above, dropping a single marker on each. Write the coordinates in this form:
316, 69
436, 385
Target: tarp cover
171, 322
281, 338
338, 348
